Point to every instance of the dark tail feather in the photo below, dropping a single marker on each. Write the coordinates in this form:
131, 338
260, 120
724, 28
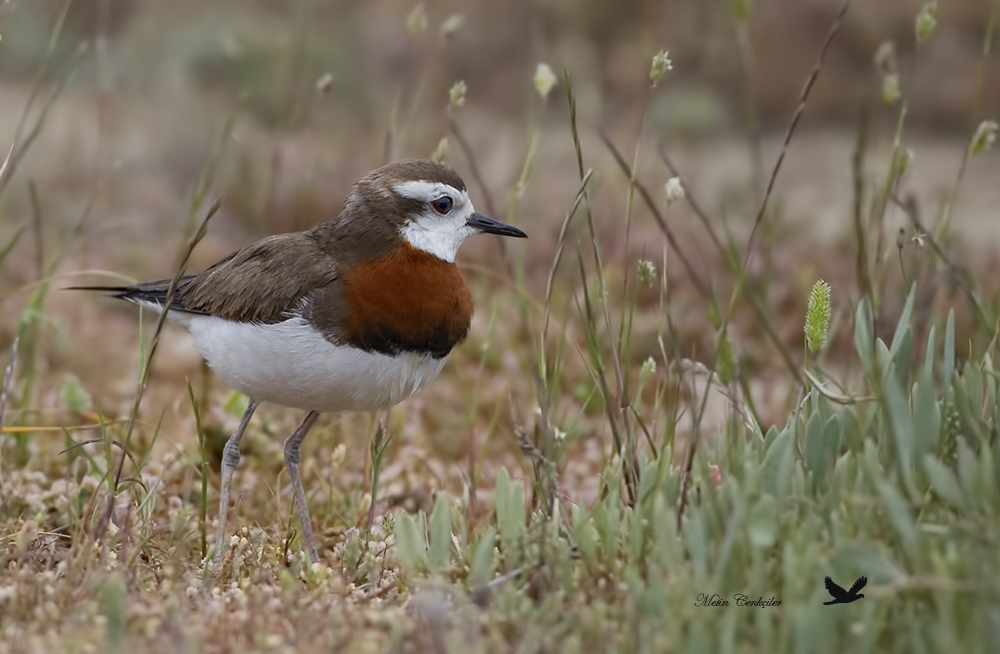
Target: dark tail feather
151, 292
111, 291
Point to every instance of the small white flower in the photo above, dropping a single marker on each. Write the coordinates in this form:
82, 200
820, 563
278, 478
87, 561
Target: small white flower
674, 190
647, 272
456, 95
984, 138
324, 83
902, 160
416, 22
545, 80
452, 24
647, 370
661, 64
338, 456
890, 88
441, 151
926, 21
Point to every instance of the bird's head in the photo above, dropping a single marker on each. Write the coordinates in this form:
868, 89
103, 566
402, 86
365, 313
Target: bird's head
426, 204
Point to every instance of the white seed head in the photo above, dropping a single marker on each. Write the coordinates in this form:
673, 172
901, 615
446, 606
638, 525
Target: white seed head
456, 95
885, 58
674, 190
926, 21
441, 151
647, 272
901, 161
984, 138
451, 25
545, 80
648, 369
324, 83
890, 88
416, 22
661, 64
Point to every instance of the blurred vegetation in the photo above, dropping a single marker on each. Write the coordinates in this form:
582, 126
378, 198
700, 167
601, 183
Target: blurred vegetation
652, 407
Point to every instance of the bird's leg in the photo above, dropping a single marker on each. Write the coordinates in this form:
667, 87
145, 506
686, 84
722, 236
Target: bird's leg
292, 455
230, 457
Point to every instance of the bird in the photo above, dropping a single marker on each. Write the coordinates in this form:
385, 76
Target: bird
354, 314
841, 596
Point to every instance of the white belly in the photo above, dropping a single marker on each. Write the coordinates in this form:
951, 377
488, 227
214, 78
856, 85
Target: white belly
290, 363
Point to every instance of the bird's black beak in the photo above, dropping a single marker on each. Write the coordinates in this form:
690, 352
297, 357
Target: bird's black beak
489, 226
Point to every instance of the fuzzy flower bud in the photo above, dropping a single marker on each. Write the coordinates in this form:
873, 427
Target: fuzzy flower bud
456, 95
647, 370
674, 190
888, 69
388, 523
818, 316
451, 25
890, 88
647, 272
984, 138
901, 161
441, 151
926, 21
416, 22
545, 80
661, 64
324, 83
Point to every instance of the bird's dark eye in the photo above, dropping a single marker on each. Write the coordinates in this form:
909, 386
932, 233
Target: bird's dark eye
442, 205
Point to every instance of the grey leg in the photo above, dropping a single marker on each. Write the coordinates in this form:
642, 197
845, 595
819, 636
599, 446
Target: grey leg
230, 457
292, 456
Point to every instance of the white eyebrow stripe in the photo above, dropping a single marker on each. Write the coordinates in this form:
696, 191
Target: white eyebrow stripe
426, 191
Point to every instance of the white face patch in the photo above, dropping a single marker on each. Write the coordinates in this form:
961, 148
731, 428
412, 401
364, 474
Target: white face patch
430, 231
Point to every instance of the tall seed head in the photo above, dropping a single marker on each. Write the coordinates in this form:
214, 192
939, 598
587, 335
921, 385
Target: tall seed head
818, 316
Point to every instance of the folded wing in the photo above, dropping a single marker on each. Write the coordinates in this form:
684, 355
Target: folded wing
266, 282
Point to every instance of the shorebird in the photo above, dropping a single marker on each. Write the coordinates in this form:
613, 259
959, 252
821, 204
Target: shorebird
355, 314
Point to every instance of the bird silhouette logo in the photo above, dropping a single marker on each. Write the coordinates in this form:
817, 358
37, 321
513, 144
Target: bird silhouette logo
841, 596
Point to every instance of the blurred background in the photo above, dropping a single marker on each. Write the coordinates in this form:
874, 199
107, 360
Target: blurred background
151, 110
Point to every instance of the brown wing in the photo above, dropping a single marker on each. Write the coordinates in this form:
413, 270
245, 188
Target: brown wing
265, 282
